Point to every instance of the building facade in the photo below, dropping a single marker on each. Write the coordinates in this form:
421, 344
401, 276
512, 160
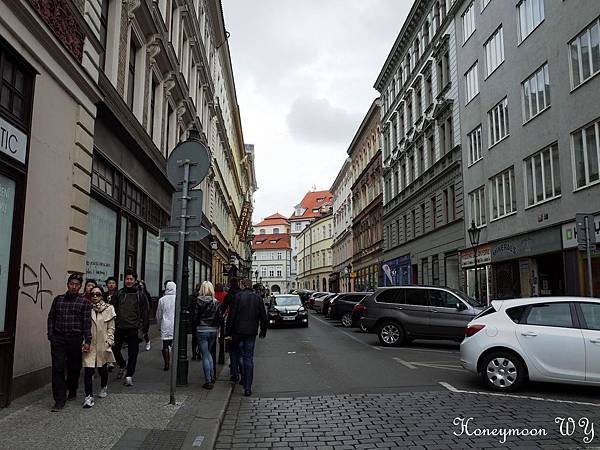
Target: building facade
272, 254
310, 208
422, 161
129, 79
367, 203
314, 253
529, 95
341, 248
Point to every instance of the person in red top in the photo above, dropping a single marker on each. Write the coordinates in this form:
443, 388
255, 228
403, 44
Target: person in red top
220, 293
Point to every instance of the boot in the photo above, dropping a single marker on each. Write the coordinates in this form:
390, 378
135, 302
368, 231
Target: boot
166, 358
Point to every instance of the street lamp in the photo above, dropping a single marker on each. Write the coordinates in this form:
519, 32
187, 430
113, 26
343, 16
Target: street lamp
474, 233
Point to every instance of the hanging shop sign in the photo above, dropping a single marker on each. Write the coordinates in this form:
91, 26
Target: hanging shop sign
245, 216
569, 233
484, 256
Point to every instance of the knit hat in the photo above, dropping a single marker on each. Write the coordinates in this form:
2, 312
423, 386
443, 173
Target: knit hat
75, 277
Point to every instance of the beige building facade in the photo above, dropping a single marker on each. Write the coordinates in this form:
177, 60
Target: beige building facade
314, 254
342, 246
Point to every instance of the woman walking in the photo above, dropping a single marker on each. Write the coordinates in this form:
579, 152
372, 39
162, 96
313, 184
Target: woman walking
207, 320
165, 318
100, 353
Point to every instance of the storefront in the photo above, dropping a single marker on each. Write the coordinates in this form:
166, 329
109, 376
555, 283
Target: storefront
467, 263
398, 271
576, 269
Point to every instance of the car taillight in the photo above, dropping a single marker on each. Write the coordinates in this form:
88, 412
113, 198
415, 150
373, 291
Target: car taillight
473, 329
359, 309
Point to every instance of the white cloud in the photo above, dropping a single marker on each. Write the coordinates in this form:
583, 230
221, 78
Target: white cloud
304, 71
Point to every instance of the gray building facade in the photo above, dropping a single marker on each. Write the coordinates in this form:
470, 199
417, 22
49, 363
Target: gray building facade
422, 157
529, 100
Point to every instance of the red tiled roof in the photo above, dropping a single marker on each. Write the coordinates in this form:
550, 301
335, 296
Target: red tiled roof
275, 219
271, 242
311, 201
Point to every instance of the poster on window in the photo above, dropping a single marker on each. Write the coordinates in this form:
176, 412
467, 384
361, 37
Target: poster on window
7, 204
100, 263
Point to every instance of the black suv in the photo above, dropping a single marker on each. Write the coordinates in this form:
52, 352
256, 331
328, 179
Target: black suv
403, 313
341, 308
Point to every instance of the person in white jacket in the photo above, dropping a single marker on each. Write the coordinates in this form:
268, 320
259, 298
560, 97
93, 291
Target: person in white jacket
165, 318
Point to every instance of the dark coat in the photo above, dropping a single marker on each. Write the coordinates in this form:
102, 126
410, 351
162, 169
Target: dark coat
246, 313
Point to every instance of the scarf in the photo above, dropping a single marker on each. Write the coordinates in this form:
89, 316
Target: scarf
100, 306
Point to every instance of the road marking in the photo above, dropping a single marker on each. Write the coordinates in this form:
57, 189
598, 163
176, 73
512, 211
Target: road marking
291, 353
440, 366
418, 349
347, 334
528, 397
198, 441
404, 363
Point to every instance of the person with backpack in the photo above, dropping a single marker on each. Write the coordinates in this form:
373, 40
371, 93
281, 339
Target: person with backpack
207, 320
131, 306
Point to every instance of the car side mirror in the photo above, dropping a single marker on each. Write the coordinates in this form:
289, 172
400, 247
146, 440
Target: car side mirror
460, 306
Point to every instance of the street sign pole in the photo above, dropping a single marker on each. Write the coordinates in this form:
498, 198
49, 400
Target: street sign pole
589, 255
180, 263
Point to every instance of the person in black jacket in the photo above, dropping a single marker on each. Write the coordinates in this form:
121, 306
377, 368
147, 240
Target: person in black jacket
245, 315
131, 306
207, 320
234, 355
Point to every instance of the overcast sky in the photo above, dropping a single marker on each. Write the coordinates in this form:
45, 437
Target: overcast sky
304, 71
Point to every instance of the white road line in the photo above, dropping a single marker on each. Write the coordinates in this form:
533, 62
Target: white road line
528, 397
404, 363
347, 334
440, 366
419, 350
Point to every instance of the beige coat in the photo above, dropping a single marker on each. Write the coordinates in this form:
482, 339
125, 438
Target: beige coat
103, 337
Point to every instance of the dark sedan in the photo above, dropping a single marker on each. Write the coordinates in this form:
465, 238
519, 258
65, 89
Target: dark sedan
287, 309
342, 307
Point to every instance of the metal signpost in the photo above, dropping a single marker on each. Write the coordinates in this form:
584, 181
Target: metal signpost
586, 240
187, 166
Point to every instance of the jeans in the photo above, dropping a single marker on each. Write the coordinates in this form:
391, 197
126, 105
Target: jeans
129, 335
206, 340
88, 373
246, 352
66, 357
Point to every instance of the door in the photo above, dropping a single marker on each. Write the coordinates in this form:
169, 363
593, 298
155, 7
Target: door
416, 311
446, 320
589, 313
551, 342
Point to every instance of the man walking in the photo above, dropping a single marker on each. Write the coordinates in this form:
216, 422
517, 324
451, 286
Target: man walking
110, 295
234, 356
69, 333
131, 306
245, 315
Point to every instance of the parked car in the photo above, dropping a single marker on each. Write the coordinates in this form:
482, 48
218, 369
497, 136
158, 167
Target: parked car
317, 300
287, 309
403, 313
342, 308
358, 312
303, 293
327, 301
313, 297
553, 339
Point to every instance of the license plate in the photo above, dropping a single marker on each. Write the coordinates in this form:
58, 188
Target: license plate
289, 318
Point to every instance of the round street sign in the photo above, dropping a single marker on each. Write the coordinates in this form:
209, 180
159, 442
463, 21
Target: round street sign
198, 155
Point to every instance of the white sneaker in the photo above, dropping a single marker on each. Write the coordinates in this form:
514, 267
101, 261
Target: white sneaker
148, 346
103, 392
128, 381
88, 402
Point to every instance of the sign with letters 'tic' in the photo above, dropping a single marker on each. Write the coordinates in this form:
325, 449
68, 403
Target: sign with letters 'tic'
13, 141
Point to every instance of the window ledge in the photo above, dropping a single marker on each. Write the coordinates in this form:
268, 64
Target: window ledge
498, 142
472, 98
593, 183
504, 216
530, 33
543, 201
537, 115
587, 80
474, 162
495, 69
468, 37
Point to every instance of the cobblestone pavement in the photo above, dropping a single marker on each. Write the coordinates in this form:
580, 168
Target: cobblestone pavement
415, 420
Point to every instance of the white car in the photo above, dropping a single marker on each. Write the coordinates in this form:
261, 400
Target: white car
553, 339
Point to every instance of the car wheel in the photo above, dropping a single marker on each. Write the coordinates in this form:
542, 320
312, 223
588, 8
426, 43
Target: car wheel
362, 327
503, 371
347, 320
305, 325
390, 334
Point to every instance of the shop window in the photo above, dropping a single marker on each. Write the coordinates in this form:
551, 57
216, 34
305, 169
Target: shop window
101, 242
7, 202
435, 271
15, 89
452, 270
152, 264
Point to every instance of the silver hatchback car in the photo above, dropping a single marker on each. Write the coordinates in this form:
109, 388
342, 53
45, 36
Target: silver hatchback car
403, 313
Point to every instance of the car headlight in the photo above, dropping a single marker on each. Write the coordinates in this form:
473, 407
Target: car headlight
302, 312
273, 313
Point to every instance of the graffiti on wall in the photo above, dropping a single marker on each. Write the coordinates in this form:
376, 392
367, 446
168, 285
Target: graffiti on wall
32, 283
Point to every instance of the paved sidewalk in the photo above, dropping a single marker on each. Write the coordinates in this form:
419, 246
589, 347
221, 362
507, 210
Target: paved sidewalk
137, 417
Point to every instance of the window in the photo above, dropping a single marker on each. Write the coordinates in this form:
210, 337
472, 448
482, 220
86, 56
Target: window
494, 51
435, 270
542, 176
471, 83
550, 315
16, 88
104, 178
531, 14
591, 314
468, 19
443, 71
484, 3
433, 212
416, 297
442, 299
498, 122
275, 230
279, 255
413, 217
279, 272
536, 93
103, 30
297, 226
418, 102
391, 296
474, 142
502, 196
262, 231
585, 54
428, 91
477, 206
421, 155
431, 148
271, 272
131, 74
586, 154
411, 169
423, 218
405, 227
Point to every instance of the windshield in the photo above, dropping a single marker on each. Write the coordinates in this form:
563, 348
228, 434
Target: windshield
471, 301
291, 300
